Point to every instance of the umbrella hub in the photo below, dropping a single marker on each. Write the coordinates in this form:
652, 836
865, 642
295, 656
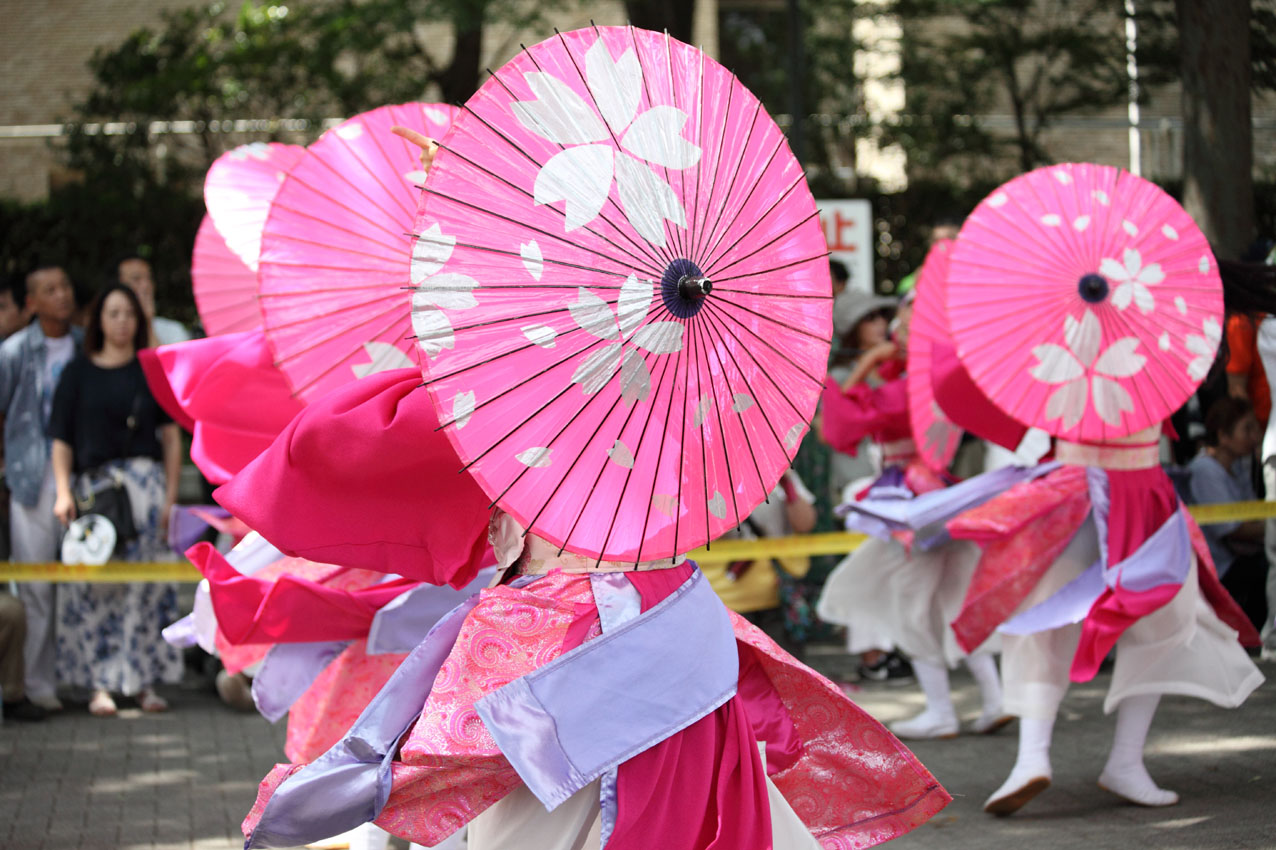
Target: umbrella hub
1093, 288
683, 288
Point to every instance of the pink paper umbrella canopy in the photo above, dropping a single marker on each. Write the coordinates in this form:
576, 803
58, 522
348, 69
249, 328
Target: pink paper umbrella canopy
238, 190
1084, 301
225, 288
335, 249
936, 436
622, 290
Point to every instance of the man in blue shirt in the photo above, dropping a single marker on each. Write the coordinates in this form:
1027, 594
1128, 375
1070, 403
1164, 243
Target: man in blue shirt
31, 361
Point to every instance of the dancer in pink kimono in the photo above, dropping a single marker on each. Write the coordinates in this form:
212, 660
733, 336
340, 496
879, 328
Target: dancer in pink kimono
900, 589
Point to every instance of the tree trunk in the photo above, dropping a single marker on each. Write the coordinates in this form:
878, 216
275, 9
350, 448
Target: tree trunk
1218, 142
673, 15
461, 78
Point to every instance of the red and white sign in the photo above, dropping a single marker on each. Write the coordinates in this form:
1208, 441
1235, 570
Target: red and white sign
848, 228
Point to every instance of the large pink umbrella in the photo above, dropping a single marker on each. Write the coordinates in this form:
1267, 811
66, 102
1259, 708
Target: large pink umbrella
1084, 301
225, 287
333, 268
238, 190
622, 292
936, 436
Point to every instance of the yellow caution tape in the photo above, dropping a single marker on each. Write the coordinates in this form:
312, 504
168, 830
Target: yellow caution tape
830, 543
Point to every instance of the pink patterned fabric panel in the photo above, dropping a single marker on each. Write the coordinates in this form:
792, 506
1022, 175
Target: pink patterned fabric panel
449, 768
1010, 511
854, 785
336, 698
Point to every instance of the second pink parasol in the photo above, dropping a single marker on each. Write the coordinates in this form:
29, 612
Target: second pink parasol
1063, 281
936, 436
621, 288
332, 269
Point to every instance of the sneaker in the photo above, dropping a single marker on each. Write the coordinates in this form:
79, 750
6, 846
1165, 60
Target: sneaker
892, 668
24, 710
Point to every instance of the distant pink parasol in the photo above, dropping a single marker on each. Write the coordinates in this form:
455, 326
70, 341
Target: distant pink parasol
334, 253
238, 190
622, 291
1084, 301
225, 288
936, 436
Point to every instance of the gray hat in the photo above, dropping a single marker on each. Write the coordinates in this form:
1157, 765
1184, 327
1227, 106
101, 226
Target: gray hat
852, 306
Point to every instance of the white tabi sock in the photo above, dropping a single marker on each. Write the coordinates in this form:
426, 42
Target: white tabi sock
1124, 774
939, 720
1031, 773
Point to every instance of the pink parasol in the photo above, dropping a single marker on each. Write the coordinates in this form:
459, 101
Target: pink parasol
1084, 301
622, 292
238, 190
334, 250
225, 288
936, 436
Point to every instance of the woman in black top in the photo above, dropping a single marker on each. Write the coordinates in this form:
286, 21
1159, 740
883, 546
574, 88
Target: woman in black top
104, 424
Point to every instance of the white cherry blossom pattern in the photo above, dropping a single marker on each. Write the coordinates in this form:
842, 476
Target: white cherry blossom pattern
435, 291
941, 432
581, 174
1080, 372
626, 335
382, 357
1132, 279
1204, 346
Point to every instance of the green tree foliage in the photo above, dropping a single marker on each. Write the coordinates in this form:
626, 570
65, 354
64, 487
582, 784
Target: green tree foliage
278, 67
1035, 60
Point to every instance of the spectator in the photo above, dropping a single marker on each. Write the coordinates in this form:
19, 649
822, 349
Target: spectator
841, 276
135, 273
1222, 472
13, 633
13, 313
31, 362
105, 423
1246, 377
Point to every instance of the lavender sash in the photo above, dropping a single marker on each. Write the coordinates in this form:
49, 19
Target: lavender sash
649, 678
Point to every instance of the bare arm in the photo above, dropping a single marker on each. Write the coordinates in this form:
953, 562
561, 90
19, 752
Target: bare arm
63, 461
869, 361
171, 441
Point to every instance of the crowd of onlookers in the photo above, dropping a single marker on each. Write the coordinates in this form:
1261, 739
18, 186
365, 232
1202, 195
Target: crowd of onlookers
79, 420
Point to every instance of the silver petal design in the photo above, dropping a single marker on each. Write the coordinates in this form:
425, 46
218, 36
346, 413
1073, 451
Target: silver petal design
462, 408
634, 304
542, 335
742, 402
659, 337
718, 505
621, 455
593, 315
537, 457
533, 260
558, 113
635, 378
597, 368
794, 436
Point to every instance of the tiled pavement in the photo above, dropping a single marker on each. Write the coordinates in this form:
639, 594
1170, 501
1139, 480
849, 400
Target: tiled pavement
183, 780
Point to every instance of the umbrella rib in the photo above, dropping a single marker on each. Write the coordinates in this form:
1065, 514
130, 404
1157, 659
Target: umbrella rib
814, 214
722, 431
820, 256
686, 392
327, 222
547, 369
289, 293
581, 74
295, 175
298, 390
722, 231
682, 176
677, 245
343, 329
717, 163
547, 234
774, 294
756, 400
664, 434
783, 196
770, 319
714, 231
368, 169
305, 319
695, 203
414, 157
515, 318
657, 252
704, 452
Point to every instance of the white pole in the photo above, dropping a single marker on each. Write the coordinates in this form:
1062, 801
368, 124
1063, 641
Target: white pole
1132, 73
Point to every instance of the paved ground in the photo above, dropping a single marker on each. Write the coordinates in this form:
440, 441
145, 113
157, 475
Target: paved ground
183, 780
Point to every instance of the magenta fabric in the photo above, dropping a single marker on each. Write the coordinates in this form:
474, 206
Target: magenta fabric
1141, 500
847, 417
227, 392
768, 716
361, 478
965, 404
289, 608
702, 789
